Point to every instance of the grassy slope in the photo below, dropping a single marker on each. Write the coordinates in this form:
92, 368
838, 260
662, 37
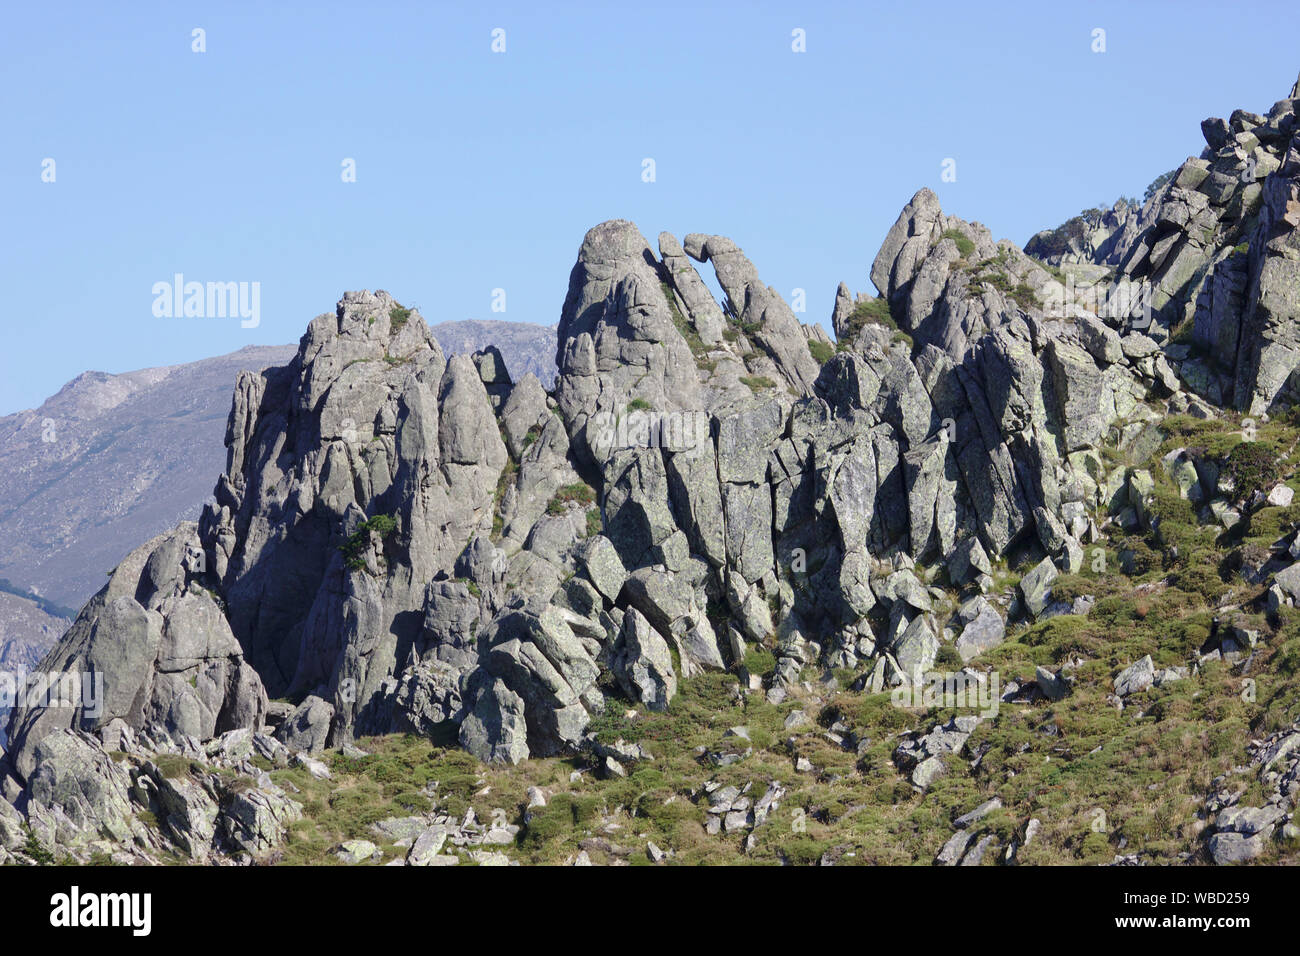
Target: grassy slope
1147, 768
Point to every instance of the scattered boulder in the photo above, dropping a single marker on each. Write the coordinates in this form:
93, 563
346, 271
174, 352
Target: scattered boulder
1135, 678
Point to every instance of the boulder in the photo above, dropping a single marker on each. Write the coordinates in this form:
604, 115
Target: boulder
983, 628
1135, 678
308, 727
1036, 586
642, 663
495, 729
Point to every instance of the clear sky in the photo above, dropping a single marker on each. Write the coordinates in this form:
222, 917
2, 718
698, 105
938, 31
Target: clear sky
478, 171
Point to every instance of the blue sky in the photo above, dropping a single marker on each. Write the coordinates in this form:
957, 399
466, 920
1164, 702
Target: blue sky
479, 171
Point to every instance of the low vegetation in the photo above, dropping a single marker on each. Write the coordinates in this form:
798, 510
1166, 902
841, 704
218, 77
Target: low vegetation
820, 351
398, 317
355, 547
576, 493
965, 246
866, 312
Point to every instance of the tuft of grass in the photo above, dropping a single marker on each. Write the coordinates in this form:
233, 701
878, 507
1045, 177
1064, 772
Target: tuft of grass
576, 493
398, 317
354, 548
866, 312
820, 351
964, 244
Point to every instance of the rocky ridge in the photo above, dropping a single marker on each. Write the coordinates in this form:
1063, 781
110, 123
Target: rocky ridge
403, 542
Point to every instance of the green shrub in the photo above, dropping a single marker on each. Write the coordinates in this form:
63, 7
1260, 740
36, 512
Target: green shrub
1201, 577
35, 849
552, 822
504, 481
1287, 660
614, 725
803, 851
1114, 611
639, 405
175, 766
1251, 465
354, 548
687, 330
397, 317
756, 382
577, 492
1056, 628
820, 351
867, 312
1136, 558
964, 245
413, 801
759, 660
1157, 184
948, 658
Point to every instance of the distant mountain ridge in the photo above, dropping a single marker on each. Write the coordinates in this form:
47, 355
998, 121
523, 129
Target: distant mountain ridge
107, 459
525, 347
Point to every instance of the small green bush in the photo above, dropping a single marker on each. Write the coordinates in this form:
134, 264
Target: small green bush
575, 493
354, 548
964, 245
948, 658
760, 661
1252, 465
867, 312
175, 766
35, 849
820, 351
397, 317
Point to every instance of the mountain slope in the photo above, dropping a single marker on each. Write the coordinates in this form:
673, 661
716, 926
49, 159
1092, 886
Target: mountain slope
27, 631
107, 460
524, 346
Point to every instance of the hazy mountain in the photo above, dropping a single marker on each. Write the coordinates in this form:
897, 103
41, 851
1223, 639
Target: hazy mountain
525, 347
27, 630
108, 459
